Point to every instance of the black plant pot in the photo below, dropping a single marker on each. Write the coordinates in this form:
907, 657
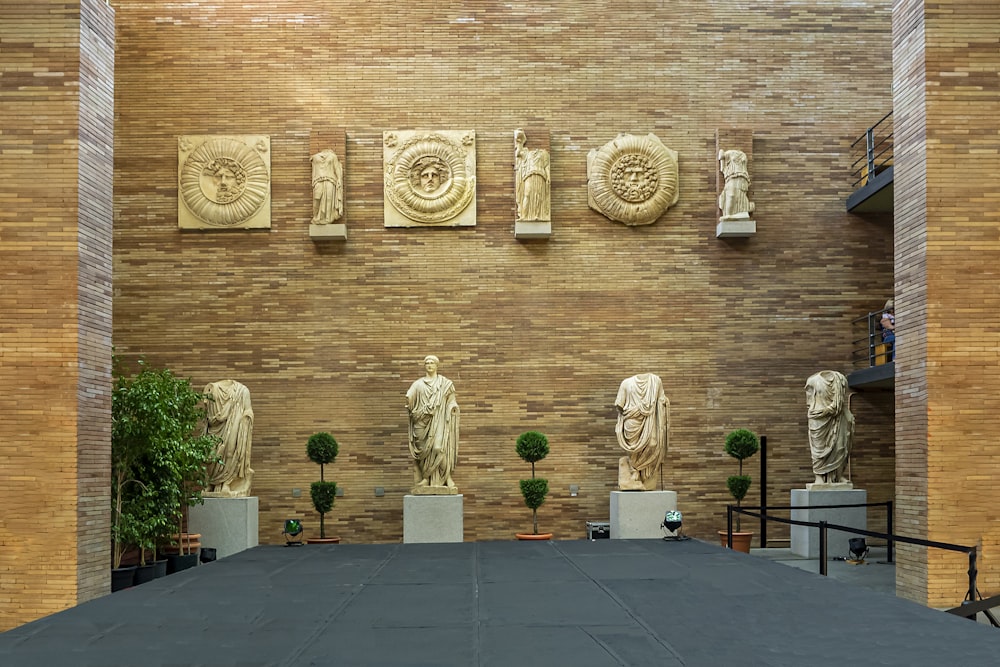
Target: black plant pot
176, 562
122, 578
144, 573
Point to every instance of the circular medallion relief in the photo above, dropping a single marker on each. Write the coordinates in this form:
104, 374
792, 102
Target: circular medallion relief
427, 179
632, 179
223, 182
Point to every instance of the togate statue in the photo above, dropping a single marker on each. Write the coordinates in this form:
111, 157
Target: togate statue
531, 181
433, 440
735, 200
642, 430
230, 417
328, 187
831, 428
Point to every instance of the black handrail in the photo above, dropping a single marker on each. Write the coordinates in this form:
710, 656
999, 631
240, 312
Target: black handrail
863, 347
824, 526
874, 150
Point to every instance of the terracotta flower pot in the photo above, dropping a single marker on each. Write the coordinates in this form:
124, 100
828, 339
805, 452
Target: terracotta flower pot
533, 536
741, 541
323, 540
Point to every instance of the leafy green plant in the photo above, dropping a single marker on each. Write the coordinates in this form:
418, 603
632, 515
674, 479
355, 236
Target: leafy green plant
533, 446
322, 448
158, 459
740, 444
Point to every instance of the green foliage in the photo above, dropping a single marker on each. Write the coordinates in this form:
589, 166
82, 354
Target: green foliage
742, 444
534, 492
323, 494
158, 462
532, 446
738, 486
322, 448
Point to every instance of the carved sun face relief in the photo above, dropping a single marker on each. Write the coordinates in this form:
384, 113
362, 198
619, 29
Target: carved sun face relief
632, 180
430, 178
224, 182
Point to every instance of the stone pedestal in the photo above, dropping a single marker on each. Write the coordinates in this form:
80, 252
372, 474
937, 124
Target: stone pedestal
432, 519
229, 525
638, 514
805, 539
532, 230
333, 232
728, 229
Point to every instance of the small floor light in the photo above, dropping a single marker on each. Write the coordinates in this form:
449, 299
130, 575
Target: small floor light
292, 533
859, 549
672, 521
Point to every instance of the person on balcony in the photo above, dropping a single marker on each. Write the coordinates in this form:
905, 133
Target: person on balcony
888, 324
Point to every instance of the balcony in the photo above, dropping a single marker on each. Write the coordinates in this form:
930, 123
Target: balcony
872, 359
872, 169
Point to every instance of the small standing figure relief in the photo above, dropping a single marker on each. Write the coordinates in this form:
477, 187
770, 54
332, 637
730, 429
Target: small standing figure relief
734, 200
328, 188
531, 181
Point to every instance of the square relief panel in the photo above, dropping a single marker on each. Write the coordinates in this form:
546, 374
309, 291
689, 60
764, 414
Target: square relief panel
224, 182
430, 178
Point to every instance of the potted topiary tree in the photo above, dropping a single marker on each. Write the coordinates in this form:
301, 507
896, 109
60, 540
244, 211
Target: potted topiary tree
533, 446
740, 444
322, 449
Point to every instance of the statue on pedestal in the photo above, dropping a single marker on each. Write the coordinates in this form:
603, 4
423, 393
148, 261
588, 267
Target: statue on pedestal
831, 429
433, 431
642, 430
230, 417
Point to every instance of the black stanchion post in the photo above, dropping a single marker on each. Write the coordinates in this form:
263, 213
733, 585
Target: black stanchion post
822, 548
890, 543
763, 491
729, 526
972, 576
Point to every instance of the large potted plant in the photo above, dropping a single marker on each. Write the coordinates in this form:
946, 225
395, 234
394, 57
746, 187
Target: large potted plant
157, 458
533, 446
322, 448
741, 444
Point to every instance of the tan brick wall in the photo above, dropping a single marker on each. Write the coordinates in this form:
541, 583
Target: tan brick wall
947, 219
535, 335
55, 205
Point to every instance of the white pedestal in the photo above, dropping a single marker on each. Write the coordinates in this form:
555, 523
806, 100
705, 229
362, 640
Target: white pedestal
532, 230
638, 514
229, 525
333, 232
805, 539
432, 519
727, 229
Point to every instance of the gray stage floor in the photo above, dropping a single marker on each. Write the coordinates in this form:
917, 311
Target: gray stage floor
567, 603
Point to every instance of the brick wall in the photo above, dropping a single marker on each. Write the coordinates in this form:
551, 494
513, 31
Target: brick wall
947, 216
535, 334
55, 219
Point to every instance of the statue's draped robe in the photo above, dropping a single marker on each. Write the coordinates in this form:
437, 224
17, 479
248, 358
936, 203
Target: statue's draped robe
433, 439
230, 417
831, 424
643, 420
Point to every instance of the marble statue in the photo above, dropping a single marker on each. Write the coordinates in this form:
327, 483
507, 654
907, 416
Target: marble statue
433, 426
224, 182
632, 179
429, 178
328, 188
230, 417
531, 181
831, 428
642, 430
734, 200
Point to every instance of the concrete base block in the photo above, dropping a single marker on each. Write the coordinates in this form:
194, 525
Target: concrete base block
229, 525
432, 519
532, 230
332, 232
805, 539
638, 514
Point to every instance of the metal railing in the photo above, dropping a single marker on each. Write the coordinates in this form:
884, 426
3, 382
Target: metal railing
866, 346
872, 152
889, 537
